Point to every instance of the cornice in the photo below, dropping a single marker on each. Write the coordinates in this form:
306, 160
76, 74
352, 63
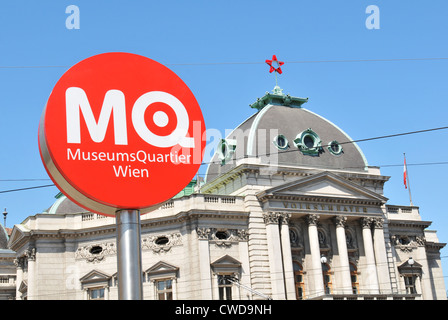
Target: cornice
408, 223
320, 199
110, 229
254, 168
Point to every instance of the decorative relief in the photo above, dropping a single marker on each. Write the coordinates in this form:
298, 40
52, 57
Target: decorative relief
30, 254
407, 243
285, 217
340, 221
295, 237
366, 222
203, 233
271, 217
96, 252
276, 217
350, 239
222, 237
20, 262
312, 219
378, 223
162, 243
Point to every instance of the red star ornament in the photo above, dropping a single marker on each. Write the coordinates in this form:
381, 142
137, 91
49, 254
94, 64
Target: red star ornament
275, 65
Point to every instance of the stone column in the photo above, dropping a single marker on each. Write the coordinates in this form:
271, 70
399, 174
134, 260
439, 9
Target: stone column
271, 219
371, 278
343, 272
316, 266
382, 266
19, 263
204, 263
30, 254
287, 257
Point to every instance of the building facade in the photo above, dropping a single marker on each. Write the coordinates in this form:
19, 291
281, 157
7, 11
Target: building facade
288, 210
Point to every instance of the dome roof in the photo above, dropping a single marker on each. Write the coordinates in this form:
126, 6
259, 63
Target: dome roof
284, 133
64, 205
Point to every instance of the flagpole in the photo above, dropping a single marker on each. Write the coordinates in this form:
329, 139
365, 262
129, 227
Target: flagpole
407, 179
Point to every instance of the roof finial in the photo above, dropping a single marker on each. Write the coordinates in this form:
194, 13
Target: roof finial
5, 213
275, 67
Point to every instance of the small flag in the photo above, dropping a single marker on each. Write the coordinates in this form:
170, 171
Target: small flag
405, 174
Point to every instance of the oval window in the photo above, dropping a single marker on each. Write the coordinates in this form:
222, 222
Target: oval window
222, 235
96, 250
161, 241
224, 149
281, 142
335, 148
308, 141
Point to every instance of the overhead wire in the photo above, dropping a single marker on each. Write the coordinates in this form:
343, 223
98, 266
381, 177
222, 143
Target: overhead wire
195, 287
277, 152
251, 62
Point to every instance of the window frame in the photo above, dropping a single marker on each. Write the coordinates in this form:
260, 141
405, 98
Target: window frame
281, 147
299, 142
224, 289
102, 290
354, 273
326, 274
299, 284
168, 293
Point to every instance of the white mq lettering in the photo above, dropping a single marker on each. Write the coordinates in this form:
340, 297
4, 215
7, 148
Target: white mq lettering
76, 101
114, 102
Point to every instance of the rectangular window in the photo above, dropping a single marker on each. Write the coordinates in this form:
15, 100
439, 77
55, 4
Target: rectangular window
96, 294
164, 289
409, 282
224, 287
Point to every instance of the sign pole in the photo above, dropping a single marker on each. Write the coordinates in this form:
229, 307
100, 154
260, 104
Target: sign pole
129, 258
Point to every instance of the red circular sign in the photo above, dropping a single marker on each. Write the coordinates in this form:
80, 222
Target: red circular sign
121, 131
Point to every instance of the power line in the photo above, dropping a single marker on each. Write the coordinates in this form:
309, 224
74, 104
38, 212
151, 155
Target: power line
278, 152
345, 142
21, 189
382, 166
395, 135
249, 62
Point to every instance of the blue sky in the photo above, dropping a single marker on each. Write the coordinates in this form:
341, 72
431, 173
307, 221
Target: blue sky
218, 48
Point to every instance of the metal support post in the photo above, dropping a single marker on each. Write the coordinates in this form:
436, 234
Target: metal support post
129, 257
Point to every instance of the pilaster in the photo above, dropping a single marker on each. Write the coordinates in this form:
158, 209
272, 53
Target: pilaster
204, 263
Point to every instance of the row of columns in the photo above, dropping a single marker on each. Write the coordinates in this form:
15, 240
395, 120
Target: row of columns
280, 258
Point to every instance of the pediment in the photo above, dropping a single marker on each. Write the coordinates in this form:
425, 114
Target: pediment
406, 269
162, 267
325, 184
406, 265
94, 276
19, 232
226, 261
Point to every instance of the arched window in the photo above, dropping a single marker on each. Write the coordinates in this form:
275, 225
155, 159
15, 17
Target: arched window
354, 277
298, 280
326, 273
